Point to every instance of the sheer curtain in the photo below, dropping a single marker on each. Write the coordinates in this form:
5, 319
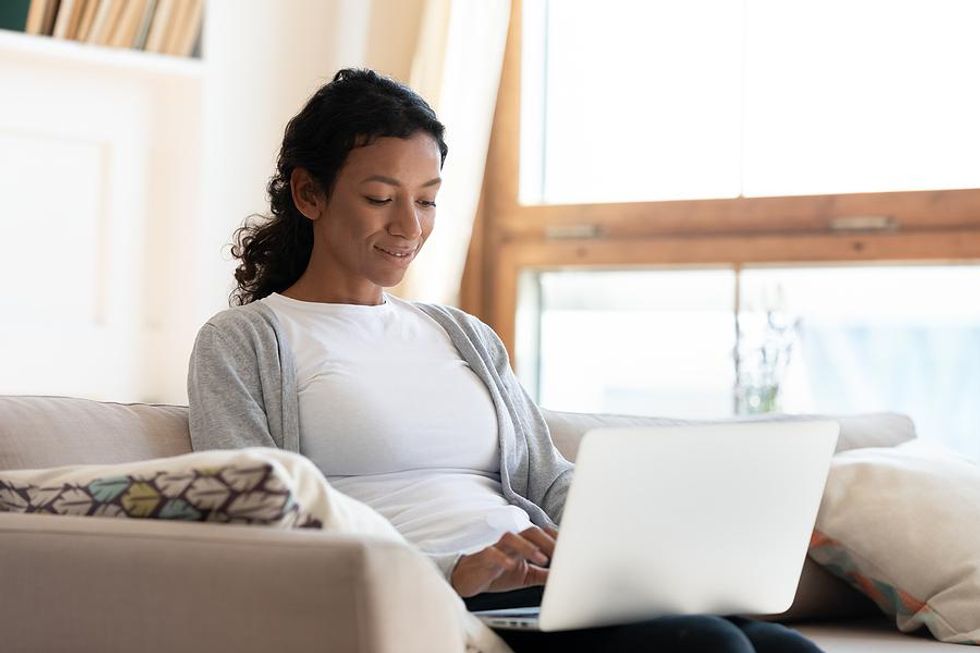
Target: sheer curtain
456, 68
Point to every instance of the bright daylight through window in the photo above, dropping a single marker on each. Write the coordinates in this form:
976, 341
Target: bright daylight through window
708, 99
718, 98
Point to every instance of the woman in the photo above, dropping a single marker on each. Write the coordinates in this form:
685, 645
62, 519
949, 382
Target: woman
411, 408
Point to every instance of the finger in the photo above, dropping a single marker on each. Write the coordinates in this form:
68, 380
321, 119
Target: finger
522, 548
479, 571
499, 561
536, 575
551, 531
541, 539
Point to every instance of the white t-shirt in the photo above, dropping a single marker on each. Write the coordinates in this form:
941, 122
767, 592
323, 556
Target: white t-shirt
393, 416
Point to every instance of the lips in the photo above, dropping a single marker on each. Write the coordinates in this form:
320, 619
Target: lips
397, 253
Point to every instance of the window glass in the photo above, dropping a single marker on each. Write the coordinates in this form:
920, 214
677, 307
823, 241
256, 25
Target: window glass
630, 101
866, 339
647, 343
829, 340
642, 101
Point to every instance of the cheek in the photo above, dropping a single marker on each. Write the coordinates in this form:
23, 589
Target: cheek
353, 222
428, 223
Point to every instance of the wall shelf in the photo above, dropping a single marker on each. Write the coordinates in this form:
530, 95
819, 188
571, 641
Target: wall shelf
88, 55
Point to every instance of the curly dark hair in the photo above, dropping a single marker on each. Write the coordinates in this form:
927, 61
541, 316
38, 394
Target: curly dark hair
352, 110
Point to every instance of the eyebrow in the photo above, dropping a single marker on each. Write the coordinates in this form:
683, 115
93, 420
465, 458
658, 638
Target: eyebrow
394, 182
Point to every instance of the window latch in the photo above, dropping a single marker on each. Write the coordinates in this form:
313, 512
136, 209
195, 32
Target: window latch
571, 231
864, 223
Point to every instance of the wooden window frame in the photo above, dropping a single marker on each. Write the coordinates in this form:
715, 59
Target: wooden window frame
941, 226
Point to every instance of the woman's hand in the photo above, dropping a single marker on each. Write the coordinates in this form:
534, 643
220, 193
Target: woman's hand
517, 560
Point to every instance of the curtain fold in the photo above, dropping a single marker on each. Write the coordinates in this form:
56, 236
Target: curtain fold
456, 67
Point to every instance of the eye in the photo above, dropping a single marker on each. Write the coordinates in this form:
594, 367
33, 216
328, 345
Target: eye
377, 201
427, 204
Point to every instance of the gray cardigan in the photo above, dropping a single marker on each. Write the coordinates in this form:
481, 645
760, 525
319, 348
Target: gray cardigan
241, 388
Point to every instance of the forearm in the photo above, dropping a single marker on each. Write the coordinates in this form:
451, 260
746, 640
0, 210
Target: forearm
445, 562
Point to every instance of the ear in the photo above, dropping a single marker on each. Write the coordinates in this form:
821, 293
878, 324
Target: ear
307, 195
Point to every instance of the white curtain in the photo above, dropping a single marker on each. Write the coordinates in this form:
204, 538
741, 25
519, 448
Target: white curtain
456, 67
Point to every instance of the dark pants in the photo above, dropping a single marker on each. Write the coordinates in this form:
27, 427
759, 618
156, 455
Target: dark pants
681, 634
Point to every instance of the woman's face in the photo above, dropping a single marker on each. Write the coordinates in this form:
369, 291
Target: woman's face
380, 213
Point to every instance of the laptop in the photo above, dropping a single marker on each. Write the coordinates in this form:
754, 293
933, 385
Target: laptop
712, 519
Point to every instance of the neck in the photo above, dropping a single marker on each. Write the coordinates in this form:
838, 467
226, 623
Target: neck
304, 292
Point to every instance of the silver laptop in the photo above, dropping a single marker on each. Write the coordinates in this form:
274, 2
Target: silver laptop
683, 520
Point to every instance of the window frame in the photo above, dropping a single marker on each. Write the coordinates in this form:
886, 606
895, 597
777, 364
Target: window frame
936, 226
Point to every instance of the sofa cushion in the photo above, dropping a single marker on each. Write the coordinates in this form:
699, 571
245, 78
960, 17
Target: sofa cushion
903, 525
38, 432
856, 431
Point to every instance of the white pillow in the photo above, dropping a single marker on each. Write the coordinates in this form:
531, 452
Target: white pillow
902, 525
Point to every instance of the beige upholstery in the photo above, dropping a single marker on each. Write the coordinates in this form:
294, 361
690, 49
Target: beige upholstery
872, 636
85, 584
856, 431
90, 584
37, 432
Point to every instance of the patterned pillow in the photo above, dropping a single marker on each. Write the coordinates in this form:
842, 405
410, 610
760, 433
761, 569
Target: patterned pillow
902, 525
246, 486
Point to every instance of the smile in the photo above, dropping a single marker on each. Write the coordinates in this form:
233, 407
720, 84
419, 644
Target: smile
396, 254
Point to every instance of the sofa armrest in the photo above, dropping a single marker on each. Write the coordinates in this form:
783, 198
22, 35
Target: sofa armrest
106, 584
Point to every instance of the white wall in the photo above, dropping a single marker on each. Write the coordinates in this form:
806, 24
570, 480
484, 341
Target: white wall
93, 198
123, 176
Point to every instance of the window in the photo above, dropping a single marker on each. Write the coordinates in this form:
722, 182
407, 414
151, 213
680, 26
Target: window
639, 101
658, 169
650, 342
813, 339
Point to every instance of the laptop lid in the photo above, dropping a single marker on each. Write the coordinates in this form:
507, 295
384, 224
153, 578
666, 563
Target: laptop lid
711, 519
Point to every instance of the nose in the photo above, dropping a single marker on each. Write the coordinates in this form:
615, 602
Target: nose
405, 223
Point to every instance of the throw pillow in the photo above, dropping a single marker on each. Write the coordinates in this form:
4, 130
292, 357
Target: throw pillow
902, 525
257, 486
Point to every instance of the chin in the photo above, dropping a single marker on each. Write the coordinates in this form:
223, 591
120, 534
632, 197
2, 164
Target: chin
388, 280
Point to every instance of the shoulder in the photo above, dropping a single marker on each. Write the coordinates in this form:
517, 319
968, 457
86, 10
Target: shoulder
254, 316
253, 323
459, 323
445, 313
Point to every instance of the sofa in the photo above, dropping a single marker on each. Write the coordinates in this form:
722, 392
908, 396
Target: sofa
84, 584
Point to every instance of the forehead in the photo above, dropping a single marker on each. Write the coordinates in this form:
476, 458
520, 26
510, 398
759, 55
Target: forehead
418, 155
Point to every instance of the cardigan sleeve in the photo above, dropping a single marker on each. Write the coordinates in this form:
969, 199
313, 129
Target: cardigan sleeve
224, 392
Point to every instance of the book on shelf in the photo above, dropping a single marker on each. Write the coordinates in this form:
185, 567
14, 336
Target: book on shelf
162, 26
124, 32
144, 25
158, 28
105, 21
185, 32
68, 17
41, 16
14, 13
85, 22
50, 13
